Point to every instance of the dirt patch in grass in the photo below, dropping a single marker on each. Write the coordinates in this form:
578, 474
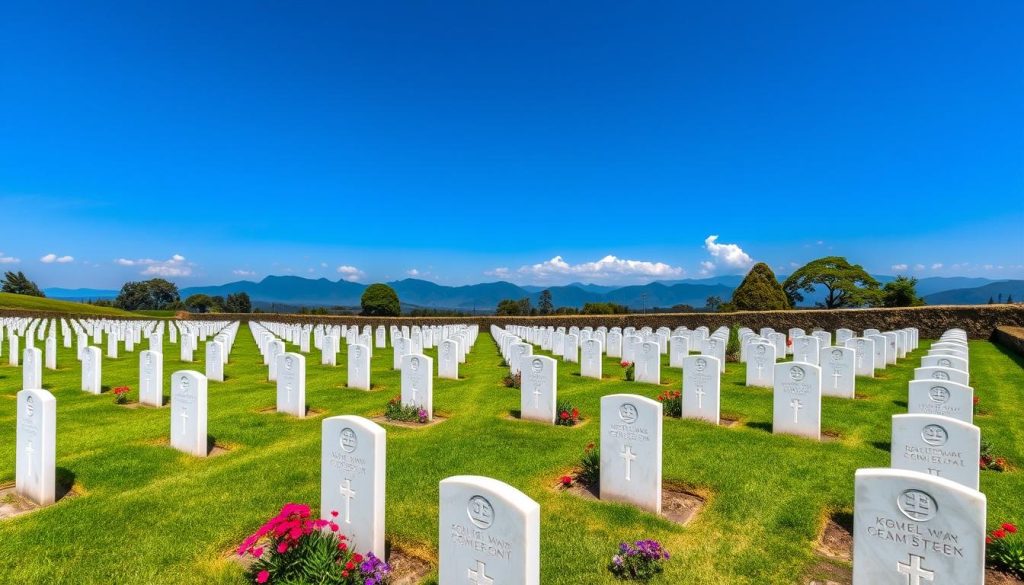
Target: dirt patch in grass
728, 420
678, 504
830, 436
12, 504
516, 415
994, 577
836, 539
310, 412
827, 572
407, 567
409, 424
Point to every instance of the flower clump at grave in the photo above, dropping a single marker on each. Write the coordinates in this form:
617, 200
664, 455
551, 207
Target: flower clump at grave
590, 467
671, 403
294, 547
397, 411
1004, 550
568, 415
989, 460
121, 394
638, 561
629, 370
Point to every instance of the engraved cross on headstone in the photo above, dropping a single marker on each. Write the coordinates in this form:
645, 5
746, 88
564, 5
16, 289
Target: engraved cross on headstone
914, 571
700, 397
835, 377
348, 493
628, 456
29, 451
479, 576
797, 406
184, 419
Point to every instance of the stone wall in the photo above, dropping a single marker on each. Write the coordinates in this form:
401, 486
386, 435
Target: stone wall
980, 321
1010, 337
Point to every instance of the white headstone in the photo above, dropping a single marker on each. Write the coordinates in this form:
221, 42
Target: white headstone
937, 445
91, 369
448, 359
51, 353
631, 449
151, 378
910, 528
329, 351
418, 383
837, 370
702, 388
538, 393
352, 471
214, 361
291, 384
358, 367
864, 360
489, 533
591, 362
32, 369
678, 349
805, 349
188, 412
941, 397
797, 401
36, 442
761, 364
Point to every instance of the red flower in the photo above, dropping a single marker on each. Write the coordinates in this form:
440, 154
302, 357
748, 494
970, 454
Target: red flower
565, 415
345, 573
334, 513
566, 480
590, 446
257, 552
976, 400
1010, 528
661, 398
357, 558
342, 546
281, 548
575, 413
988, 540
263, 576
350, 565
999, 533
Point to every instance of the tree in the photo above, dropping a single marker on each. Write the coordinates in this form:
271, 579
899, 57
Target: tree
238, 303
901, 292
760, 291
545, 304
512, 307
200, 303
604, 309
991, 301
19, 284
847, 285
147, 295
1009, 299
713, 303
380, 300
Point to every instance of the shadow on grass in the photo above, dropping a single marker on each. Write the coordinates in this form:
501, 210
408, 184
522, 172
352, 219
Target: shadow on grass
882, 446
900, 403
65, 481
762, 426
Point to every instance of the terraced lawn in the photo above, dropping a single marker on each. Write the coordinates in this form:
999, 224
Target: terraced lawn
148, 514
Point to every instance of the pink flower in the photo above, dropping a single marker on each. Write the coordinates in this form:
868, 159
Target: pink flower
257, 552
263, 576
281, 548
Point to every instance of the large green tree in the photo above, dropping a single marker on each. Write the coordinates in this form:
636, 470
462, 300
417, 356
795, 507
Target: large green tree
760, 291
200, 303
513, 307
149, 295
845, 284
544, 303
19, 284
238, 303
380, 300
901, 292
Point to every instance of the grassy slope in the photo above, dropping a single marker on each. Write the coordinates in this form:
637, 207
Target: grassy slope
150, 512
28, 303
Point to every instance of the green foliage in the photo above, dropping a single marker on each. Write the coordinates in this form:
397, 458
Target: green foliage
732, 347
380, 300
19, 284
512, 380
238, 303
567, 414
901, 292
760, 291
713, 303
510, 307
590, 467
545, 304
566, 311
604, 309
1004, 549
200, 303
148, 295
395, 410
671, 403
847, 285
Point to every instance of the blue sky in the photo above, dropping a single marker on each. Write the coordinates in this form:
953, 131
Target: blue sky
535, 142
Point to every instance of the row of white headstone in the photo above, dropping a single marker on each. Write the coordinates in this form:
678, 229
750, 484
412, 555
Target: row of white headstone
923, 520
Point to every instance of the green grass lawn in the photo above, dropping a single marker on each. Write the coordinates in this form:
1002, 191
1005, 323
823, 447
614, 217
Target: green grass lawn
29, 303
149, 514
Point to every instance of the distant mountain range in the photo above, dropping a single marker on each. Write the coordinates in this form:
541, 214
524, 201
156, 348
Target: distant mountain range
296, 291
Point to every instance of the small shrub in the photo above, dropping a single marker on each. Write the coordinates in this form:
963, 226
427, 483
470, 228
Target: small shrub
568, 415
989, 460
302, 549
629, 369
513, 381
1004, 550
395, 410
121, 394
590, 467
732, 347
638, 561
671, 403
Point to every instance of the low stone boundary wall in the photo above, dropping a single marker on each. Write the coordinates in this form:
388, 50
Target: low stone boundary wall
1010, 337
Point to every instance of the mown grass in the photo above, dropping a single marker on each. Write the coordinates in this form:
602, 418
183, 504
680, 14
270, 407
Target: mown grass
149, 514
29, 303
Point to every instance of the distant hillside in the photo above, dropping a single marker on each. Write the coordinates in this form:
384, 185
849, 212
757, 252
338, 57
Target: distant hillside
27, 303
979, 295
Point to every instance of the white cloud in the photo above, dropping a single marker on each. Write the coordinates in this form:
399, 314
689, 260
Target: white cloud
8, 259
706, 268
51, 258
241, 272
609, 267
500, 272
919, 267
412, 272
728, 255
350, 273
937, 266
175, 266
899, 267
323, 265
